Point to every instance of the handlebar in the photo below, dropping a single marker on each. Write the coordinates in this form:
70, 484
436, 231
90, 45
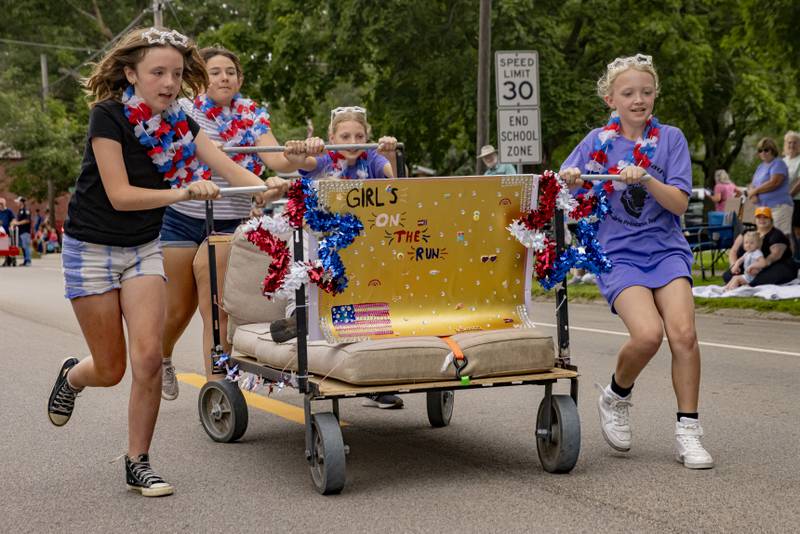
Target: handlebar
278, 148
612, 177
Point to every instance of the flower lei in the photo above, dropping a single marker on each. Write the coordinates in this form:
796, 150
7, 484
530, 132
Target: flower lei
589, 208
340, 170
328, 272
239, 125
641, 155
167, 137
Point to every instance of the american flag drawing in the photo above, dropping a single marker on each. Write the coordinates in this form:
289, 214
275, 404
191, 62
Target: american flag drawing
362, 320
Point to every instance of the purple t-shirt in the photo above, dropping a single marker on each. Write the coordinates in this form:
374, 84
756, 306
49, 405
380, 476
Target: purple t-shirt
638, 230
373, 165
778, 196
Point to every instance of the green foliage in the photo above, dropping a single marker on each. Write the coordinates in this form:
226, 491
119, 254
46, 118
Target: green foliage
49, 140
729, 68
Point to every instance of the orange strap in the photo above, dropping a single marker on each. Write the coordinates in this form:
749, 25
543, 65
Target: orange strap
457, 354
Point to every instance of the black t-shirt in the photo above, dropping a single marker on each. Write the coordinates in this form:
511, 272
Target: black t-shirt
24, 215
773, 237
90, 216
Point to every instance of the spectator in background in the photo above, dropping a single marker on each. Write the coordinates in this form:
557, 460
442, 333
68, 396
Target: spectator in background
791, 156
723, 189
6, 216
493, 166
37, 220
23, 223
777, 267
770, 185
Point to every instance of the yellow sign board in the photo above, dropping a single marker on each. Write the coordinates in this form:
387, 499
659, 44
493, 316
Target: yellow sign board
434, 259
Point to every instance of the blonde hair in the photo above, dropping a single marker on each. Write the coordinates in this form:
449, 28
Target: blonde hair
107, 80
721, 176
791, 134
343, 116
638, 62
755, 236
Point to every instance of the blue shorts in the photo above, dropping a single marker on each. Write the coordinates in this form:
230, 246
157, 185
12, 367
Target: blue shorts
179, 230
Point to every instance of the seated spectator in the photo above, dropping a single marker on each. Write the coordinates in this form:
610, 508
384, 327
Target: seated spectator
777, 267
52, 241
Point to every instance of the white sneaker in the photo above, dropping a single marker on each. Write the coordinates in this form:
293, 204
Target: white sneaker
589, 278
614, 418
688, 449
169, 382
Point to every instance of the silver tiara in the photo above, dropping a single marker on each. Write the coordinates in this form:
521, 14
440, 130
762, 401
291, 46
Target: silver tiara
348, 109
625, 62
156, 36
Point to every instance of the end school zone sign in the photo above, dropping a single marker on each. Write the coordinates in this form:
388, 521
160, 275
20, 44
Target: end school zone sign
518, 116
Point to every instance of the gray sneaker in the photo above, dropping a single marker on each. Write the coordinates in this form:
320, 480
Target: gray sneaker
386, 402
169, 382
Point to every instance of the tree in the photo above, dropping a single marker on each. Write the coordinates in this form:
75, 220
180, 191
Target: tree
49, 142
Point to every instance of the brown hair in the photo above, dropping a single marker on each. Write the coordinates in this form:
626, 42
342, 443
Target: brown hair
769, 144
349, 116
107, 80
218, 50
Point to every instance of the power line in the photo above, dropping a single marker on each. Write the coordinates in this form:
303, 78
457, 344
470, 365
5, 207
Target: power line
46, 45
106, 47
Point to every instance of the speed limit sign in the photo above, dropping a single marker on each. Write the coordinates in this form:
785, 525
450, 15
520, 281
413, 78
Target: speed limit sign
517, 76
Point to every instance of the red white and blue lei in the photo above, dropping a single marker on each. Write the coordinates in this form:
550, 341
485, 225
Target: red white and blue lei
239, 125
168, 139
341, 170
641, 155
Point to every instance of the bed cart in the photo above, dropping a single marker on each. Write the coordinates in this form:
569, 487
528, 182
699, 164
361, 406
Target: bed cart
223, 409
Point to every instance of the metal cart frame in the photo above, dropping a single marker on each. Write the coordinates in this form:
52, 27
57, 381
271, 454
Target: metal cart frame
223, 409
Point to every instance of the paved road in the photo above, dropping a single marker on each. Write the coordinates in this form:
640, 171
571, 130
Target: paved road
480, 473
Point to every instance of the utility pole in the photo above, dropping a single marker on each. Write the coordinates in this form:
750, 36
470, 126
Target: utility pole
158, 15
51, 197
484, 54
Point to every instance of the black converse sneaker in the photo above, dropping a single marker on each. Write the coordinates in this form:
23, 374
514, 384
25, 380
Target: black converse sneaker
62, 398
141, 477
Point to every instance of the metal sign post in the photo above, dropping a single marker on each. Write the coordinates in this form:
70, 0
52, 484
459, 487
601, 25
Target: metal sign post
518, 118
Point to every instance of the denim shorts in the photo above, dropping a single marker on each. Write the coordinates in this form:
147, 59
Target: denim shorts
91, 269
179, 230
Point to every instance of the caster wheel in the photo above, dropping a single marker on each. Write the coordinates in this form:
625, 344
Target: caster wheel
223, 411
559, 445
440, 407
327, 454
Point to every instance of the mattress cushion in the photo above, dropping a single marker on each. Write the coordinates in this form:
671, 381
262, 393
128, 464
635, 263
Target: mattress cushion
404, 359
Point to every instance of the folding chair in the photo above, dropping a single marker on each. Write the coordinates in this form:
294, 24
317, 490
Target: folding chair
716, 236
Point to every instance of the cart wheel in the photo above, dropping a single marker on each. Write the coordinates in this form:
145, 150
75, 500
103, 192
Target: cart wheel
440, 407
559, 454
223, 410
327, 454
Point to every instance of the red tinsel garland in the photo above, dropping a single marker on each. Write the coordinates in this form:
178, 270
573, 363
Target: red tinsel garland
279, 251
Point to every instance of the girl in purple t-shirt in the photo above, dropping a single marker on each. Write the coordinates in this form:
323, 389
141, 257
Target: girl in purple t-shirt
650, 282
349, 126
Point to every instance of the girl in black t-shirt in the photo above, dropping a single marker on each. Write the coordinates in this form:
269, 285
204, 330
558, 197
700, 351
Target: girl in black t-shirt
139, 158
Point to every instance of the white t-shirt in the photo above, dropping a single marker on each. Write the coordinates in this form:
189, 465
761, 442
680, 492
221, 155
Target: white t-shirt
794, 170
226, 208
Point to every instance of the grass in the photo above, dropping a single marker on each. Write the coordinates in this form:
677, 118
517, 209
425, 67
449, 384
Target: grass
589, 292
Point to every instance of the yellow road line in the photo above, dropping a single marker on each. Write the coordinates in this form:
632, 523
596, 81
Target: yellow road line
275, 407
